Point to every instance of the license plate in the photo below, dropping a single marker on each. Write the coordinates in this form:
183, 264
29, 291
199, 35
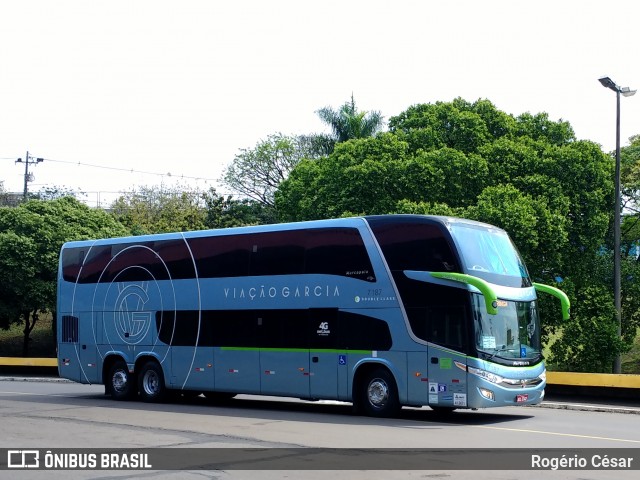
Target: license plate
522, 398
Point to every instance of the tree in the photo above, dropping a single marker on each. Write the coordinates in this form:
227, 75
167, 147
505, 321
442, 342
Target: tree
256, 173
51, 193
30, 242
526, 174
226, 212
160, 209
630, 179
348, 123
459, 125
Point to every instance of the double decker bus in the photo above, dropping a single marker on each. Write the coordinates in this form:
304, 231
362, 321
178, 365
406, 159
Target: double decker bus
381, 311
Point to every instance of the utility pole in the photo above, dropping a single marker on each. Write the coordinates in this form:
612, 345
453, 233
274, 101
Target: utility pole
28, 160
617, 211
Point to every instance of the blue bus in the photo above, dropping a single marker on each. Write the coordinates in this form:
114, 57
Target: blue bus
381, 311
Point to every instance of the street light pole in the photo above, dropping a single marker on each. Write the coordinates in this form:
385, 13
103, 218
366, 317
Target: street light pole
617, 289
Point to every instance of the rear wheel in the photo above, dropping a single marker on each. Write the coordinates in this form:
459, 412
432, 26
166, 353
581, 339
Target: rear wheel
151, 382
379, 394
121, 384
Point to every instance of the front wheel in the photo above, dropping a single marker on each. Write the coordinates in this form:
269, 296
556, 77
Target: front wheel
121, 384
151, 383
379, 394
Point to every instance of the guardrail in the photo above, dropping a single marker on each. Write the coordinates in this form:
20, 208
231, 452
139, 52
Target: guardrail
607, 380
28, 362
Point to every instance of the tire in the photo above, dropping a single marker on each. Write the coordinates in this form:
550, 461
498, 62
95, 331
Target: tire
151, 383
121, 383
378, 396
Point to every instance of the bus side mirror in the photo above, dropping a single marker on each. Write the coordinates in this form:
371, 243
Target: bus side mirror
556, 292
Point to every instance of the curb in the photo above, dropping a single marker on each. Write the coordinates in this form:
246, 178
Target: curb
589, 407
36, 379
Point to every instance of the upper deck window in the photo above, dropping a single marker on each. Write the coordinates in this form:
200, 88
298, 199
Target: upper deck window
488, 253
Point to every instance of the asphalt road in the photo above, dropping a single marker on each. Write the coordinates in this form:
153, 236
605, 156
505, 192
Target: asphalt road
56, 414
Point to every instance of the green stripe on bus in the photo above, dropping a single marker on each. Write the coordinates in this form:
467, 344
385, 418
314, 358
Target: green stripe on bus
295, 350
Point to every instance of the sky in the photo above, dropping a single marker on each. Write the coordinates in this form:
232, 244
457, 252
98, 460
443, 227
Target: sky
114, 95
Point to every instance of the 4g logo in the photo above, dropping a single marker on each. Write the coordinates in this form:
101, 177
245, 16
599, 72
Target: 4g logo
323, 329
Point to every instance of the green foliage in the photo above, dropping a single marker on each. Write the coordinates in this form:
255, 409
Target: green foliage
526, 174
160, 209
589, 342
630, 179
51, 193
226, 212
31, 239
348, 123
539, 127
459, 125
256, 173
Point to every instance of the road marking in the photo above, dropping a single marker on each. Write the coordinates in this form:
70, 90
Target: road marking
574, 435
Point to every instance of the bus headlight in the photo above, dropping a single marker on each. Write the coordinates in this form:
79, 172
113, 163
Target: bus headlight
488, 376
488, 394
543, 376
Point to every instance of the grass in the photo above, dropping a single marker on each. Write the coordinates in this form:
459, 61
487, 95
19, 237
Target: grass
41, 345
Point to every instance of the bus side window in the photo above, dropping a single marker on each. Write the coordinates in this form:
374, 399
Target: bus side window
338, 251
221, 256
277, 253
445, 326
282, 329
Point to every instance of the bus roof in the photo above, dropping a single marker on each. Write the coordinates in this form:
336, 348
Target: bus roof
278, 227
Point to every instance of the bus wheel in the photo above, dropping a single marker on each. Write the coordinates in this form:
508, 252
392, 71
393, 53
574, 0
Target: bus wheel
121, 383
379, 394
151, 382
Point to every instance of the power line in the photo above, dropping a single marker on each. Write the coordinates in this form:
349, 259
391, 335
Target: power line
122, 169
131, 170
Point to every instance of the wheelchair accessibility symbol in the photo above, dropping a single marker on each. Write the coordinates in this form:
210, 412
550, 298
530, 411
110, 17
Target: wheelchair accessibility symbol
342, 359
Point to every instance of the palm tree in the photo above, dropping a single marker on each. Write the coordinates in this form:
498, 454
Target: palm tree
347, 123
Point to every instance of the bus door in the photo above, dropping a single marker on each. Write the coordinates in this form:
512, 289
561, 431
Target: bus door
324, 359
446, 332
284, 356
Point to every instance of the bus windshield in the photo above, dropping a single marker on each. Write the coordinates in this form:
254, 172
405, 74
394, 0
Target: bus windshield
514, 333
489, 254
